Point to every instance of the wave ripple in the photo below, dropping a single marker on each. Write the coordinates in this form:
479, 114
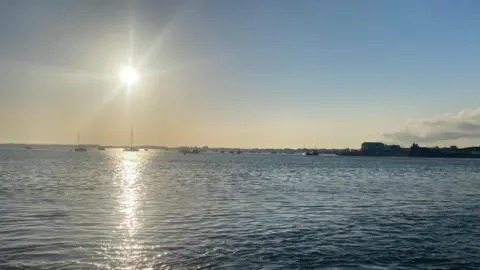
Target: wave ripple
161, 210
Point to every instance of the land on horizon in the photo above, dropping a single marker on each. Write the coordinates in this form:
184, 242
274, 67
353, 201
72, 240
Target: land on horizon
212, 148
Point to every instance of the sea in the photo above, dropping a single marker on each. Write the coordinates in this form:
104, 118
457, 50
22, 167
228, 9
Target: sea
165, 210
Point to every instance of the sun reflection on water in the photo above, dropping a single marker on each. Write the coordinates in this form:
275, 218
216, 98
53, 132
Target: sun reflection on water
129, 195
130, 250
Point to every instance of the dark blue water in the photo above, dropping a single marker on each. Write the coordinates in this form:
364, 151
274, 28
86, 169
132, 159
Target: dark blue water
162, 210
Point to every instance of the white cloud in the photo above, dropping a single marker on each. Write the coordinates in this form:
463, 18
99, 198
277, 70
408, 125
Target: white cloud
462, 125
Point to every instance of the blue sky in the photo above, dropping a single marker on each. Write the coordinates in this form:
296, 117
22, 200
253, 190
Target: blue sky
238, 73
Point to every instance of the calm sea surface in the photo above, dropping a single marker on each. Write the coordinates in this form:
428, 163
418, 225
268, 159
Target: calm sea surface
163, 210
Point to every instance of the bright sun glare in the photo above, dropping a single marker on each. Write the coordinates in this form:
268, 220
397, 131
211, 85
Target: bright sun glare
128, 75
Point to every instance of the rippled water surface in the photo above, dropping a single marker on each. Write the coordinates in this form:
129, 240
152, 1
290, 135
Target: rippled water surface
163, 210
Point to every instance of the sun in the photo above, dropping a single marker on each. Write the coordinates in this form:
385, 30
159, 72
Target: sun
128, 75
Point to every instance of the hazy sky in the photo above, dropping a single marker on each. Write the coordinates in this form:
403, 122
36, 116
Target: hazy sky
241, 73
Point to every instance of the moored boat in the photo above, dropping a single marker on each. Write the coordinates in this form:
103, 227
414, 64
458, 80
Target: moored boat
311, 153
131, 148
79, 148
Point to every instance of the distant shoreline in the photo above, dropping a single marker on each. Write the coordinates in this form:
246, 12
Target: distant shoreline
203, 148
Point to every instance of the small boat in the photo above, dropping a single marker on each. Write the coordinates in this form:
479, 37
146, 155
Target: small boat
311, 153
145, 149
101, 148
131, 148
308, 152
28, 146
78, 148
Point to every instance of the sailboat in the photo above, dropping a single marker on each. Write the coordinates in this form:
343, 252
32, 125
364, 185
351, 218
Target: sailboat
131, 148
28, 146
311, 152
78, 148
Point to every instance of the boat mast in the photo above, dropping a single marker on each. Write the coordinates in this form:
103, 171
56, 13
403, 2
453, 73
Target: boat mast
78, 139
131, 137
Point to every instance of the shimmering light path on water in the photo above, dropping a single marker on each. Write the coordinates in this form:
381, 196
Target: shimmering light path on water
163, 210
